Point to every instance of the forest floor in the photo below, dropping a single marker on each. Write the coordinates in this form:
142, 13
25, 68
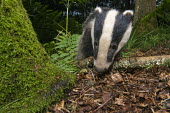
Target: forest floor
135, 90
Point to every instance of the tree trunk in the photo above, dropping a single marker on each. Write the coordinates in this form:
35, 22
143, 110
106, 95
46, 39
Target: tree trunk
144, 17
27, 76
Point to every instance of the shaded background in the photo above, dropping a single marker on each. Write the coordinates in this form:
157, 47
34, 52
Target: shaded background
48, 16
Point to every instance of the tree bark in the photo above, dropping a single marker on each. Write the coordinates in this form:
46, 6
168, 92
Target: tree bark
27, 76
144, 17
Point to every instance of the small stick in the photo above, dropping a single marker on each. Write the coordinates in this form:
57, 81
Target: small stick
102, 105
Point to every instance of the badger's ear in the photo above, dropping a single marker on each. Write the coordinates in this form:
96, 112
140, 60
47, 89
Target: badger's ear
128, 12
128, 15
98, 9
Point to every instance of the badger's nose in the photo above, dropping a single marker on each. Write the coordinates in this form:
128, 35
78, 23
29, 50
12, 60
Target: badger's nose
100, 70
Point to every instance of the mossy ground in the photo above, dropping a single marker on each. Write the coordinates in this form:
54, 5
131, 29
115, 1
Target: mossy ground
26, 72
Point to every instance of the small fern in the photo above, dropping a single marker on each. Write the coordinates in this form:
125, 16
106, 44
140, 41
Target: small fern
65, 46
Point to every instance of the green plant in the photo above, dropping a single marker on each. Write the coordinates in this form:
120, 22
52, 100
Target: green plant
73, 26
43, 19
156, 38
166, 63
131, 41
67, 4
162, 12
65, 46
28, 78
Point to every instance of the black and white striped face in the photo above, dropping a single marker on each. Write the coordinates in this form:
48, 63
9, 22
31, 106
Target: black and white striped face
110, 31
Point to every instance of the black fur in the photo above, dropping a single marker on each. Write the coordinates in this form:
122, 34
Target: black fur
120, 27
98, 26
85, 48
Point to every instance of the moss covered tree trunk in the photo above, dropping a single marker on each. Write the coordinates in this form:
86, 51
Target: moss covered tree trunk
144, 17
27, 76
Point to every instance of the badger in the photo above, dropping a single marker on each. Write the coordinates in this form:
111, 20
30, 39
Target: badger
105, 32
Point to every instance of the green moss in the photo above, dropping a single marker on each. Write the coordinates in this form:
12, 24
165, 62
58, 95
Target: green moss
26, 72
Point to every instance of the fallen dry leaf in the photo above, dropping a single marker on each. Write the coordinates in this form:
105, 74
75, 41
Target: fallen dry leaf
116, 77
119, 101
106, 96
125, 91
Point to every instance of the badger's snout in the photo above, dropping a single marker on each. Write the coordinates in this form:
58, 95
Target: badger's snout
100, 70
101, 66
105, 33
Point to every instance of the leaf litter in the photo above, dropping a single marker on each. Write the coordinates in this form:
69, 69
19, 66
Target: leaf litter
122, 91
136, 90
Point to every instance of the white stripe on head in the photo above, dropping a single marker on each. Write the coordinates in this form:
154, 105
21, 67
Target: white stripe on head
105, 40
124, 39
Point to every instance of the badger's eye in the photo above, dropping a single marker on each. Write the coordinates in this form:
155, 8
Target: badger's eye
114, 46
95, 44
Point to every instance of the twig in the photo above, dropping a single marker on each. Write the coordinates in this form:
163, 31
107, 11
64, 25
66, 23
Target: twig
102, 105
152, 110
83, 94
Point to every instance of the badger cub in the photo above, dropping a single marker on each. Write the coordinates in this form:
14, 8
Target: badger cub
105, 32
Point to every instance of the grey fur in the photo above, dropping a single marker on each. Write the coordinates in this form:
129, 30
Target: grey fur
98, 17
85, 48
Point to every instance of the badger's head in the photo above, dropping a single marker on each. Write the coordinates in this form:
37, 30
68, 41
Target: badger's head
110, 31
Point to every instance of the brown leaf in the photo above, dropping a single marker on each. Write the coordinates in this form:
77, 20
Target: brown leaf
143, 105
161, 111
116, 78
60, 106
98, 101
85, 109
106, 96
119, 101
